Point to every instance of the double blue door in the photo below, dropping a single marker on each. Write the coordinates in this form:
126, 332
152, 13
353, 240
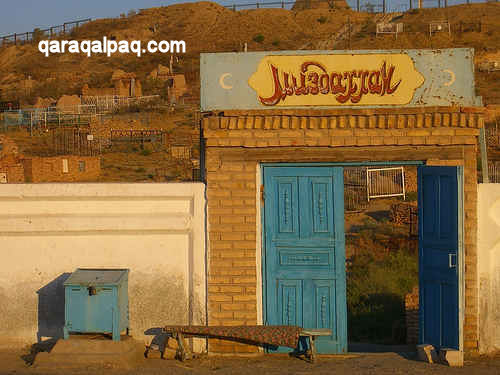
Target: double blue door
304, 251
304, 256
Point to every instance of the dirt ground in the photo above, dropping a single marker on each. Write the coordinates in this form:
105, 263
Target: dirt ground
13, 362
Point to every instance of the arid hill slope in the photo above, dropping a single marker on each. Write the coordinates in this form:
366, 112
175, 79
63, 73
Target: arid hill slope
209, 27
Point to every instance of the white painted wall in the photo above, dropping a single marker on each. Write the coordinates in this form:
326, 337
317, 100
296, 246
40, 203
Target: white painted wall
49, 230
488, 246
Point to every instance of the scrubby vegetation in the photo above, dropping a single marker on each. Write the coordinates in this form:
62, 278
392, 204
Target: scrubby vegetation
376, 289
383, 269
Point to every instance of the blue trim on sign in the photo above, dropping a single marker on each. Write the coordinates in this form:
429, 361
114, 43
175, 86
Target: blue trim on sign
448, 73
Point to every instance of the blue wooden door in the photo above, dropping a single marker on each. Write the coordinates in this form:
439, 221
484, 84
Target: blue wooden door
100, 314
304, 258
75, 308
438, 255
90, 313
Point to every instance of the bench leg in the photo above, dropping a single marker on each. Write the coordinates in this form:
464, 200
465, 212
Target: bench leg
184, 351
310, 352
313, 348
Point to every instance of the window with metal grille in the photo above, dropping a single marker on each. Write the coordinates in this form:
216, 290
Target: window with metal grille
81, 166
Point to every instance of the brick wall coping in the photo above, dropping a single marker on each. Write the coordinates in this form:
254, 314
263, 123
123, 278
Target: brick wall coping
353, 111
360, 119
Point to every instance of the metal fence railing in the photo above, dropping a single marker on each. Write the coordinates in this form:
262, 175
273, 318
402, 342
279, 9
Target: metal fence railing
385, 182
406, 5
355, 197
362, 184
49, 33
359, 5
75, 141
42, 119
75, 109
494, 171
389, 28
106, 104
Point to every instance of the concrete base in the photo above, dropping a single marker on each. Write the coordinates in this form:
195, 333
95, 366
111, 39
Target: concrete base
82, 350
451, 357
427, 353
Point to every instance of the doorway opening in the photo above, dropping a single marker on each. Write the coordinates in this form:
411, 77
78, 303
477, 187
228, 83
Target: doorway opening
382, 265
377, 272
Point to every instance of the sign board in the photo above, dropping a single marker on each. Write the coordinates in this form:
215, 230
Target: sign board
333, 79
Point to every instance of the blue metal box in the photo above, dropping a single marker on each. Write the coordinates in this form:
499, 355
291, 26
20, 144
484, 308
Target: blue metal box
96, 300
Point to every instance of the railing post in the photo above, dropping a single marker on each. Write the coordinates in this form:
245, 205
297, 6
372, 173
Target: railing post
15, 39
484, 155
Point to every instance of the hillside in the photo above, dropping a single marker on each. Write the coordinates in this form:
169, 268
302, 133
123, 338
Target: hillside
209, 27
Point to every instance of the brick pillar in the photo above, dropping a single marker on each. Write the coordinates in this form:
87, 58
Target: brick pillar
231, 193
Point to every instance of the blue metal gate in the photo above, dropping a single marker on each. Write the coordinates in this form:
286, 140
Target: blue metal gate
304, 257
439, 234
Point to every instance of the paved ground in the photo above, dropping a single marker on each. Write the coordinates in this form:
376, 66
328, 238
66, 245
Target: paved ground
15, 362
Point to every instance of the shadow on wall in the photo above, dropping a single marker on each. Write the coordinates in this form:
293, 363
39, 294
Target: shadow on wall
51, 308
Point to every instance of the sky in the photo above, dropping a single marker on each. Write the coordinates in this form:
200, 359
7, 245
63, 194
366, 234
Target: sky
17, 16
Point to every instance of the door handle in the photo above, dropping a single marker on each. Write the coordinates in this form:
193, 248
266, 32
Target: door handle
452, 264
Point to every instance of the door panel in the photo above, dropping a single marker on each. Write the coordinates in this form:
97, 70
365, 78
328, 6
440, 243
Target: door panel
438, 255
288, 207
324, 293
290, 302
304, 257
100, 311
76, 308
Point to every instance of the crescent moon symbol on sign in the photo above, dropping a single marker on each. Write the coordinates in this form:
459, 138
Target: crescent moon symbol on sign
452, 77
222, 83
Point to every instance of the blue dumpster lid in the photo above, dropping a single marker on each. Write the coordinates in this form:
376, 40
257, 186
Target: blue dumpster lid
96, 276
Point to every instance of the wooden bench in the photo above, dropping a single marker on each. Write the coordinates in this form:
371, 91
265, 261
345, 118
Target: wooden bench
184, 352
311, 334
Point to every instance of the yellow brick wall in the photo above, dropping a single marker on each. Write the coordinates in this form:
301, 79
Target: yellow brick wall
238, 142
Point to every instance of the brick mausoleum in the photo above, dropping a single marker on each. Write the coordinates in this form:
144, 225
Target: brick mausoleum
280, 127
238, 141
